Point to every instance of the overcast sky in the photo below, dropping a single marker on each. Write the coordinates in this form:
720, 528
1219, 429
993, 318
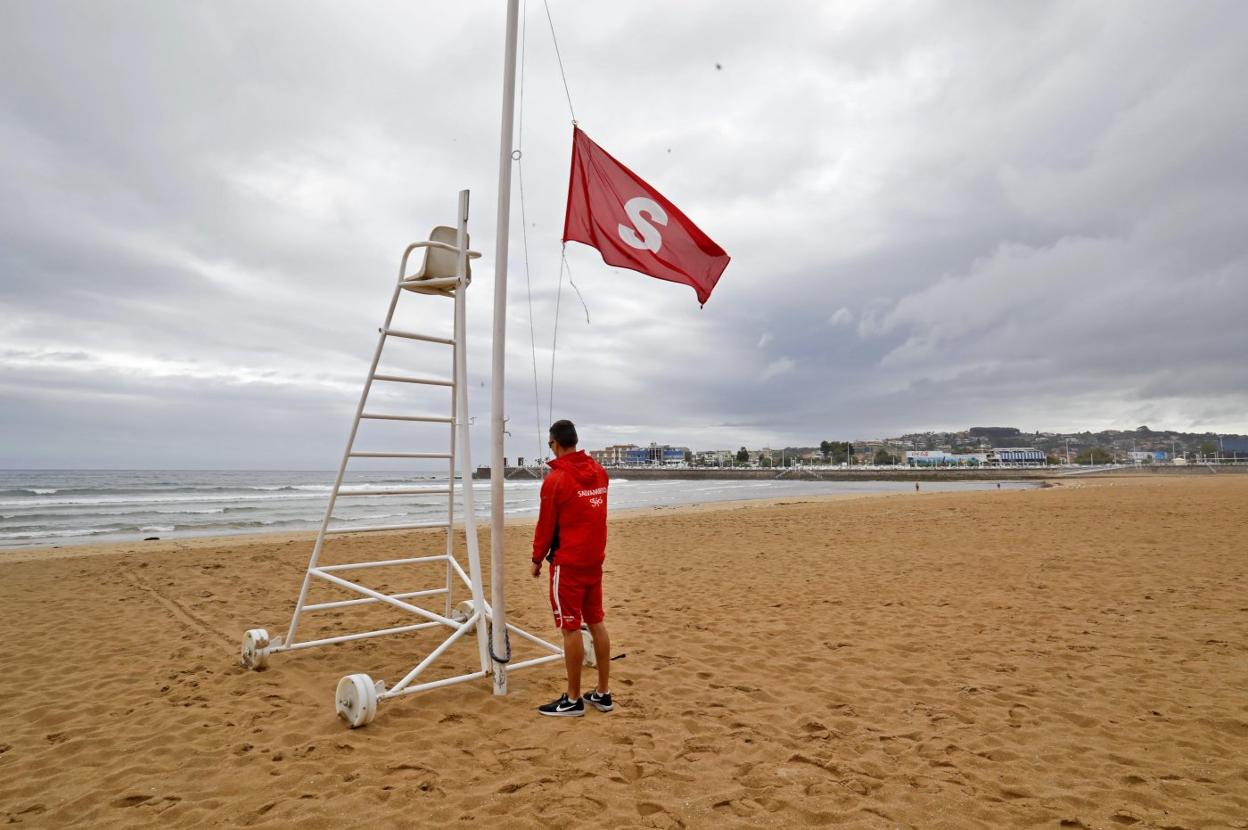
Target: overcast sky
940, 215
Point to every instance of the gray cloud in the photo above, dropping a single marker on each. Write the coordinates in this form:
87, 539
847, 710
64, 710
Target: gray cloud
989, 213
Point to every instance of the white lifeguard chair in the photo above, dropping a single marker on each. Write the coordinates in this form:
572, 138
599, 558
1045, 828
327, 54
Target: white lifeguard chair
445, 272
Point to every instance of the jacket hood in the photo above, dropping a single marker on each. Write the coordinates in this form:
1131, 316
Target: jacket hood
580, 466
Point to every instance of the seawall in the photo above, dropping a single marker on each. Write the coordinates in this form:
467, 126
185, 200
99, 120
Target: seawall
881, 473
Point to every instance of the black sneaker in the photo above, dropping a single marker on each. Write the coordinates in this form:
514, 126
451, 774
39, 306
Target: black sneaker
601, 702
564, 708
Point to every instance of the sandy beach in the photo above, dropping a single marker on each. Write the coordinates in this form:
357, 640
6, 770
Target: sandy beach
1067, 657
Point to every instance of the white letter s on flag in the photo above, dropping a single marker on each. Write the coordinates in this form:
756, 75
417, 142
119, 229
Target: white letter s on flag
637, 208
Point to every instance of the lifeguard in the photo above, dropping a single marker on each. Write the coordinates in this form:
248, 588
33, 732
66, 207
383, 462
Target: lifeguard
571, 534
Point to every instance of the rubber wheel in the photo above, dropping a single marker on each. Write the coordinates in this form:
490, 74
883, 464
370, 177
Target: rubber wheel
356, 700
254, 653
587, 640
463, 611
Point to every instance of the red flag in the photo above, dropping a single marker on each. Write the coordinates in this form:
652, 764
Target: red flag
632, 225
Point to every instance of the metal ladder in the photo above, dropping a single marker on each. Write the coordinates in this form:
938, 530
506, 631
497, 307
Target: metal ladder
358, 694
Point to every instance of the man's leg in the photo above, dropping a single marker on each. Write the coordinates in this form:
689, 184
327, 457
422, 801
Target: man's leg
565, 602
573, 655
602, 654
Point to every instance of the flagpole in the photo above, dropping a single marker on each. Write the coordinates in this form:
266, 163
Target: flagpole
498, 645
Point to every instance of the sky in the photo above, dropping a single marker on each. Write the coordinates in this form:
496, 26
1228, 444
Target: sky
940, 215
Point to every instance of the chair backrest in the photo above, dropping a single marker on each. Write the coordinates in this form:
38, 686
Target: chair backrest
438, 262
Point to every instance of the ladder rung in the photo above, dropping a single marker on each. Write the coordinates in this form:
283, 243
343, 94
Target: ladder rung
400, 455
409, 335
403, 379
417, 526
431, 419
399, 491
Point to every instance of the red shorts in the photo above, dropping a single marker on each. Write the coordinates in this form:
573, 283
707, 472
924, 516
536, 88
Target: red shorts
576, 595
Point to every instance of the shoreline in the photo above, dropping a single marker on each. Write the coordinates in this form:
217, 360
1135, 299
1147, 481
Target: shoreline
308, 537
106, 546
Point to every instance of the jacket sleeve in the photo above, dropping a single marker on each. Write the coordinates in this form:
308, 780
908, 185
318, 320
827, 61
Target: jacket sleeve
547, 518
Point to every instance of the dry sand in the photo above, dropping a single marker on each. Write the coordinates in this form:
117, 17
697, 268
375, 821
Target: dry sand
1070, 657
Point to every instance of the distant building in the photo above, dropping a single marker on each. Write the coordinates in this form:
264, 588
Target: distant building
715, 458
1233, 447
1148, 456
944, 458
631, 455
635, 455
665, 454
614, 455
1016, 455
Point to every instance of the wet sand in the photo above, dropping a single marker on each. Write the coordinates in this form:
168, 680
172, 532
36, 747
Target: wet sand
1067, 657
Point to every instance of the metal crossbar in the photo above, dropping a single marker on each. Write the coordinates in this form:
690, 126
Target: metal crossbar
401, 455
386, 598
374, 528
347, 638
426, 381
381, 563
429, 419
399, 491
343, 603
408, 335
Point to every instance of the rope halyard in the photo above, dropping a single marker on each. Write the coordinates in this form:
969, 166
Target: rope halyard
563, 266
559, 58
572, 283
554, 340
563, 259
518, 155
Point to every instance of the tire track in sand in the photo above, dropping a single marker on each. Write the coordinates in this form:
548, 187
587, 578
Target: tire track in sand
177, 610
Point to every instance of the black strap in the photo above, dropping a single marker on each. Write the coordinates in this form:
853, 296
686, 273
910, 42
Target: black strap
506, 641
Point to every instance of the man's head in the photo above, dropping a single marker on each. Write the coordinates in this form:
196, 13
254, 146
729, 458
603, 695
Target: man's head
563, 438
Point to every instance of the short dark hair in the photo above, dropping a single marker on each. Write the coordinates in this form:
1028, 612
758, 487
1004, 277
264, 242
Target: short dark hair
564, 433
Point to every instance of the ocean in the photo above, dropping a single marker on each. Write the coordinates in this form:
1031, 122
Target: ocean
61, 507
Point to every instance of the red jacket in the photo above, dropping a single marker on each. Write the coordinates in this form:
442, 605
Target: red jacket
573, 519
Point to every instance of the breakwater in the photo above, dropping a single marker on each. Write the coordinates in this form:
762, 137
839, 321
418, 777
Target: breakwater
800, 474
882, 473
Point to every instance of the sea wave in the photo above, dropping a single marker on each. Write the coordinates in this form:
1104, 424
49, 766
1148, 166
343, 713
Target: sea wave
57, 534
371, 518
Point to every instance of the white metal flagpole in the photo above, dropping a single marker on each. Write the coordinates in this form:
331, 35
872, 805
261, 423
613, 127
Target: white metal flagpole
497, 416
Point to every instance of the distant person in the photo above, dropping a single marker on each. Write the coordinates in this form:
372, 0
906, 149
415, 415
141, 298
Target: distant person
571, 534
916, 487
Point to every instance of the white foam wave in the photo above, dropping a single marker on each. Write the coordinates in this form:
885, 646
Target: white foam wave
121, 500
372, 517
52, 534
